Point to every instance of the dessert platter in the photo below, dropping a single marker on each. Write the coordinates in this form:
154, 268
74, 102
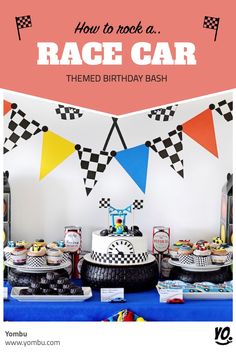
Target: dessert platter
27, 260
51, 287
199, 290
201, 261
36, 254
119, 256
202, 256
194, 268
27, 269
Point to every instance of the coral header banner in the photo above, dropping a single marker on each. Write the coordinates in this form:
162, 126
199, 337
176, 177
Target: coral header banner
117, 57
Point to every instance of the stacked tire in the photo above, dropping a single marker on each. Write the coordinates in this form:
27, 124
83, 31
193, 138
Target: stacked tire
131, 278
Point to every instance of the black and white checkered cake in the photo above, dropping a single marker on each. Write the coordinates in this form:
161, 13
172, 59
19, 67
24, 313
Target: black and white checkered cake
124, 249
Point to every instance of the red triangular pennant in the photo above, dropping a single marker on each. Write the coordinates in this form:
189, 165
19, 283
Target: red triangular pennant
201, 129
6, 107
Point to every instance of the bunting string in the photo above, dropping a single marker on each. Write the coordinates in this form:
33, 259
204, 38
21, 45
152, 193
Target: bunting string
134, 160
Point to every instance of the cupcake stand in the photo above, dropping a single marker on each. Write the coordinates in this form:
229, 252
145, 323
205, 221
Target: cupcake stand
192, 273
23, 275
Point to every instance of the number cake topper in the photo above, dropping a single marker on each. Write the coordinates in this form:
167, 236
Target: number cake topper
118, 218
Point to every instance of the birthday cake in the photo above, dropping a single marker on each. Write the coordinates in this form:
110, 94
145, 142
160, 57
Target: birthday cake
119, 249
119, 256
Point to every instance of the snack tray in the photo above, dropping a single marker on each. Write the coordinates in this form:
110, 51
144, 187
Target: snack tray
26, 269
207, 295
50, 298
195, 268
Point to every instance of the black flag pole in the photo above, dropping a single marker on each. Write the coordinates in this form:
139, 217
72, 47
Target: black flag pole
216, 30
18, 29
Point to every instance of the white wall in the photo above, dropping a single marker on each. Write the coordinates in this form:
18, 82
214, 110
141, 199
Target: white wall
190, 206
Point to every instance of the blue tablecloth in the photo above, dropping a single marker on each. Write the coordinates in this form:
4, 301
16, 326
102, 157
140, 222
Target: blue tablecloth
145, 304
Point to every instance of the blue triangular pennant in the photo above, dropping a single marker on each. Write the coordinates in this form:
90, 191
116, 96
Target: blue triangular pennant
135, 162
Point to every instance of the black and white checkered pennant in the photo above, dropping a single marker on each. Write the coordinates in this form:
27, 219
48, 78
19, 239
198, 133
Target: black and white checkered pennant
171, 148
225, 109
68, 113
211, 22
104, 203
16, 111
138, 204
19, 129
163, 114
93, 165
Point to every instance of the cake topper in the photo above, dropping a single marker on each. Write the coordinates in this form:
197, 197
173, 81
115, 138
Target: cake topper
118, 218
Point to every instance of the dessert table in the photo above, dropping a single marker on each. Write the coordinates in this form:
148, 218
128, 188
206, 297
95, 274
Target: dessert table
145, 304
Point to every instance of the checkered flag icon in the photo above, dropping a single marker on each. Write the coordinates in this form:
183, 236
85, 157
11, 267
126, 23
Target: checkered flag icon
225, 109
171, 148
19, 129
138, 204
93, 164
68, 113
104, 203
23, 22
211, 23
163, 114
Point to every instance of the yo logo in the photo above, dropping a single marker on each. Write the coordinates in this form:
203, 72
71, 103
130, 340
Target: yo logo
222, 336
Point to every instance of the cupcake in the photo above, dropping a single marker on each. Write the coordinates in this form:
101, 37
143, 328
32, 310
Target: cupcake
182, 242
24, 243
185, 254
8, 250
52, 244
186, 242
36, 256
173, 251
219, 256
201, 243
202, 253
229, 250
62, 247
40, 242
216, 242
54, 256
18, 255
178, 244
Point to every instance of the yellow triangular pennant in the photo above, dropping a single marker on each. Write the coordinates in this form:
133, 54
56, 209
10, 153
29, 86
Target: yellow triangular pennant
55, 150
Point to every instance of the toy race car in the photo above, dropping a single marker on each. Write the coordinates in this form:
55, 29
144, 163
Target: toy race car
133, 231
175, 301
118, 299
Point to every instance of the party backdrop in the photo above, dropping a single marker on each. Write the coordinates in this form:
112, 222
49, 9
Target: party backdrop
63, 160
